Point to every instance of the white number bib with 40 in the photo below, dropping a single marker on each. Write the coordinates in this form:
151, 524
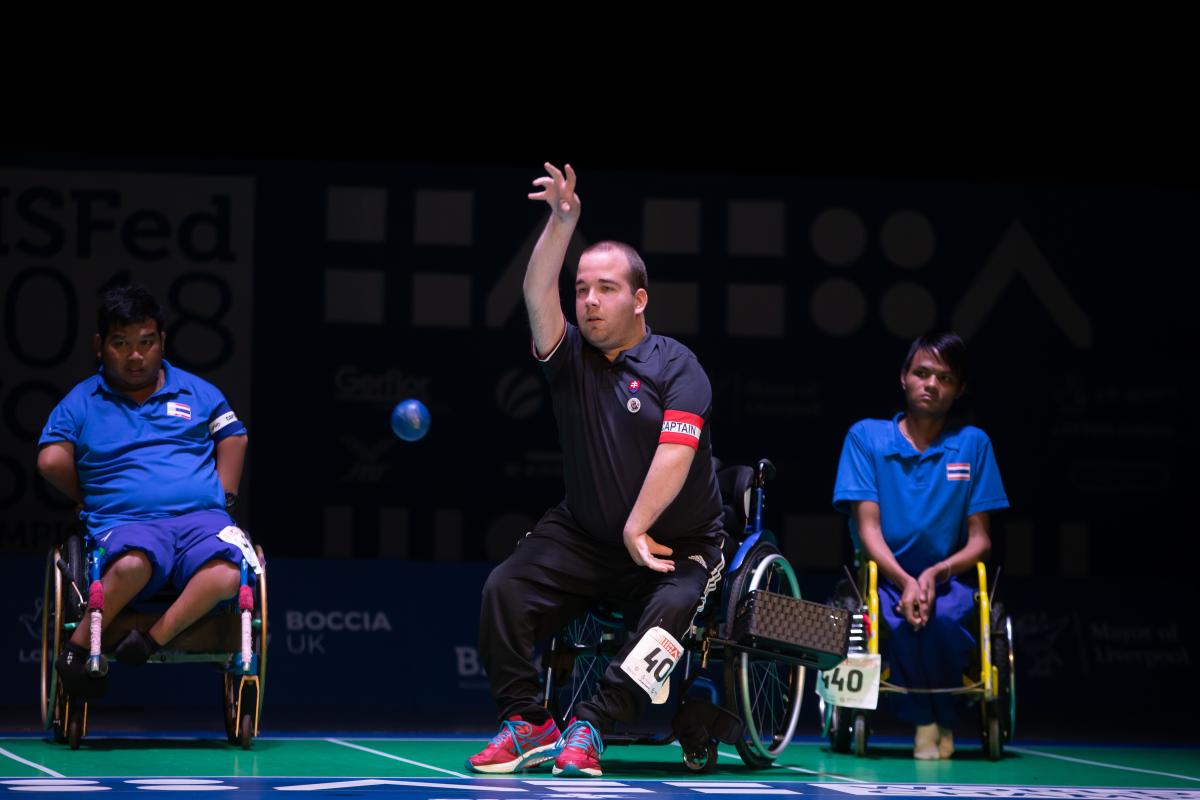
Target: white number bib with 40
854, 683
651, 661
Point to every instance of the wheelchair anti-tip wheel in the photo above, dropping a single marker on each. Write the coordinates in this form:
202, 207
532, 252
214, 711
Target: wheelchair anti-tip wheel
766, 694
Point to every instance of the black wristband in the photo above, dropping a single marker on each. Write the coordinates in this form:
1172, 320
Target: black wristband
230, 501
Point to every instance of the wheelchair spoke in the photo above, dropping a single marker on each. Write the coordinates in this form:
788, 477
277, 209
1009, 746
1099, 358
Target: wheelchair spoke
585, 678
766, 692
769, 707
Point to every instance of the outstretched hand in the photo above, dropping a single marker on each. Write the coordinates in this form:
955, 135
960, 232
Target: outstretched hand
642, 549
559, 192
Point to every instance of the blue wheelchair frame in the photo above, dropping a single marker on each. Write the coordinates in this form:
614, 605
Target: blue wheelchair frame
763, 691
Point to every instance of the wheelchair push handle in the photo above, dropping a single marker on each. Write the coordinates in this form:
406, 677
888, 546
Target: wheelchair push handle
763, 472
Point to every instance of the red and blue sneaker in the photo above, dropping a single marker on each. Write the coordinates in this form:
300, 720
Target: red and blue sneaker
519, 745
579, 751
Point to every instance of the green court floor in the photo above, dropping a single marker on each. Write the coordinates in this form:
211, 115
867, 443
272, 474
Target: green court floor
346, 757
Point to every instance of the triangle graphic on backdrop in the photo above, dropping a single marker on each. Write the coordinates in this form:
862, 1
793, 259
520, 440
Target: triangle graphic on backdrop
1018, 255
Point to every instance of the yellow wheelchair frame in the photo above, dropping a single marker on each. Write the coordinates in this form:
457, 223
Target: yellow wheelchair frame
994, 685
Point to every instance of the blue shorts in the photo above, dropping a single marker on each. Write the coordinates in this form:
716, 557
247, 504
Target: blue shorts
176, 546
934, 657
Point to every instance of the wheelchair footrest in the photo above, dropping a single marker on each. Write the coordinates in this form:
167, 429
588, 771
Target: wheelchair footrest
817, 635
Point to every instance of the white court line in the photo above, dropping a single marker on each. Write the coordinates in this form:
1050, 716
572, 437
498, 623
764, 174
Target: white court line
802, 769
1026, 751
27, 763
397, 758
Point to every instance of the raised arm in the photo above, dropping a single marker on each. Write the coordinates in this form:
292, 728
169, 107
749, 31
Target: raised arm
546, 318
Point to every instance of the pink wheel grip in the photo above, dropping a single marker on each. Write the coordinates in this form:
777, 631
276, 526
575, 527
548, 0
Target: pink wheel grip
96, 596
246, 599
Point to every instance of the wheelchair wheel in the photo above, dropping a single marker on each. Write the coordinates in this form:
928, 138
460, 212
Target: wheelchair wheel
701, 762
766, 694
583, 652
60, 605
76, 721
993, 742
837, 727
51, 635
860, 734
229, 706
241, 719
260, 635
246, 729
1002, 657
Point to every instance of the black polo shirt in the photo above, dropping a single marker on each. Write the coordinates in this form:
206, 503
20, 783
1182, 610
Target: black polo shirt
611, 418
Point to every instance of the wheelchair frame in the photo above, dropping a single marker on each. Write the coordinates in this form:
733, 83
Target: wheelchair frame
994, 688
218, 637
761, 734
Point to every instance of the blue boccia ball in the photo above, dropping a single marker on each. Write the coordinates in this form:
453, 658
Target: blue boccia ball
410, 420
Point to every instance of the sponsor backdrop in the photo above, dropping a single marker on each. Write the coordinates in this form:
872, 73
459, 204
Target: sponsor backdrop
316, 295
394, 644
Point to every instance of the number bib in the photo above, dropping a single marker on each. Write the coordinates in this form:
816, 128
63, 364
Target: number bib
854, 683
236, 537
651, 661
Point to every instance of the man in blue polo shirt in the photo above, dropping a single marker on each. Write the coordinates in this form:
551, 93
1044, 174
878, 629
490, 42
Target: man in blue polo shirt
918, 496
153, 455
641, 523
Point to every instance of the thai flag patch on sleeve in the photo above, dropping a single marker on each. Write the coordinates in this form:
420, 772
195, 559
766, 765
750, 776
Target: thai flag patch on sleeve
958, 472
181, 410
680, 427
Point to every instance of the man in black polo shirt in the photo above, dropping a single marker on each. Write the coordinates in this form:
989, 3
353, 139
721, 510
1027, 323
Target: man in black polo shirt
640, 525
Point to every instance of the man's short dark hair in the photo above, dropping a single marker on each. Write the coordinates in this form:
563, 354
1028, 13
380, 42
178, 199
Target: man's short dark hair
637, 267
126, 305
946, 345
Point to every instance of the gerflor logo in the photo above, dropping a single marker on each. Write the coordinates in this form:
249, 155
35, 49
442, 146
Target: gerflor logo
379, 387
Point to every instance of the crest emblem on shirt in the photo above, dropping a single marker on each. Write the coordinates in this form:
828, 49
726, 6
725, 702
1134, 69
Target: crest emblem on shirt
634, 405
181, 410
958, 472
634, 385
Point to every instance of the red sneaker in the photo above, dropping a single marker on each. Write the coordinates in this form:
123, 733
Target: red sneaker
579, 751
519, 745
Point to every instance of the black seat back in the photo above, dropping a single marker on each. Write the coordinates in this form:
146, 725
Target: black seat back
735, 482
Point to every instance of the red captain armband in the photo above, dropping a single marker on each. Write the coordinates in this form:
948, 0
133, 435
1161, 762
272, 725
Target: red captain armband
680, 427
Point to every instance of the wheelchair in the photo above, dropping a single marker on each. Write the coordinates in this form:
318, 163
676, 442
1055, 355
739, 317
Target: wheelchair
762, 691
990, 678
232, 636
